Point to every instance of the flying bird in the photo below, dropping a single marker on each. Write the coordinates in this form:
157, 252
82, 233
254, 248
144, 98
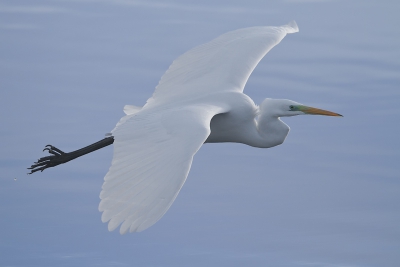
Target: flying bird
198, 100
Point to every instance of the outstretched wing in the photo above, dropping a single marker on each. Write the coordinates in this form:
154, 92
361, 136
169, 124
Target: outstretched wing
224, 64
153, 152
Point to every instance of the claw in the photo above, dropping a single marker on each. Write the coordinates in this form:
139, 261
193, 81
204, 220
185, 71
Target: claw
53, 150
57, 150
48, 161
38, 169
39, 164
44, 158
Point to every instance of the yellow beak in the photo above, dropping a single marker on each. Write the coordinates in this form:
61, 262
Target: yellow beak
317, 111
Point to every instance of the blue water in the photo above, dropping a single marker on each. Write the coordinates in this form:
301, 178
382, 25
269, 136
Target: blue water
329, 196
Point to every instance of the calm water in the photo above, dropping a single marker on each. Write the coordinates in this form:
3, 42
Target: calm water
329, 196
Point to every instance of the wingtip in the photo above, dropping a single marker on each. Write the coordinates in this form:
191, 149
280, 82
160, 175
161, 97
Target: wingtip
291, 27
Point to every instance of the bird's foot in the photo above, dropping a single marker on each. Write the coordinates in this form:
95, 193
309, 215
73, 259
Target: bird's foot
58, 157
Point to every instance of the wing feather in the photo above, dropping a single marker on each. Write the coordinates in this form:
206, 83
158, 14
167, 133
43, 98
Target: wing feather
223, 64
153, 152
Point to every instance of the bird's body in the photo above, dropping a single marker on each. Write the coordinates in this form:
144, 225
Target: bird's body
238, 120
237, 124
198, 100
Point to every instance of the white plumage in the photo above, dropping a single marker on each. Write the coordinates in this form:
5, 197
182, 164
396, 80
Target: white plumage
199, 99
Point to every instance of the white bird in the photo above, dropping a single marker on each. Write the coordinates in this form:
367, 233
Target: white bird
198, 100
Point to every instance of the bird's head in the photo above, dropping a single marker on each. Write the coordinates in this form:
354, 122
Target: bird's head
287, 108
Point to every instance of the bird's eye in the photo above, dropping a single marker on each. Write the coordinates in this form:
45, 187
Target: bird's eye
291, 107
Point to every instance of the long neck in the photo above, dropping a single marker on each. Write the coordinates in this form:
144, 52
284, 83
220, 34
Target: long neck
272, 131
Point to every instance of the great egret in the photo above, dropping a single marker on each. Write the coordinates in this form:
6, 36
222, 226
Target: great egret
198, 100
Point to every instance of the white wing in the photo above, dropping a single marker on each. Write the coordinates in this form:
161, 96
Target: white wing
130, 110
154, 146
153, 152
224, 64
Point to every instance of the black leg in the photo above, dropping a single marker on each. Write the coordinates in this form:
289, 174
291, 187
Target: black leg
59, 157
